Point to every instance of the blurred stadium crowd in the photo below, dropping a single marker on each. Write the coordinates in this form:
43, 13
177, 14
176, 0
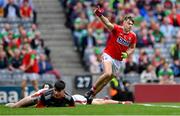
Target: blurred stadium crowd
157, 22
20, 40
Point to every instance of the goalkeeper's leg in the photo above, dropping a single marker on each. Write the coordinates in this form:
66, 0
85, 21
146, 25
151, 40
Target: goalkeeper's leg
26, 101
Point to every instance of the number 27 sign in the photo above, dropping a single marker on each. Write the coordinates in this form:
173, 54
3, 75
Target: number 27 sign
83, 81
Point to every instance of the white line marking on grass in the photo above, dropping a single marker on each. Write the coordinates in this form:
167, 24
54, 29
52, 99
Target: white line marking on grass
163, 106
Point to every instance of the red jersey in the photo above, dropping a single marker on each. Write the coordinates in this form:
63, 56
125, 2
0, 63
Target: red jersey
26, 11
119, 42
26, 61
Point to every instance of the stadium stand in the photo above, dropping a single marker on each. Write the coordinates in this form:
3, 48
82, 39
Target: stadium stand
18, 25
58, 37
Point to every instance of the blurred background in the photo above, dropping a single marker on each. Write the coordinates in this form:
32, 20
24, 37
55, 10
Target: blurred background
67, 40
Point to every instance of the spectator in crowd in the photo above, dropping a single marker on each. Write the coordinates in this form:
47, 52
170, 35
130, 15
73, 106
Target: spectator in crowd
119, 90
33, 30
26, 11
175, 49
30, 2
20, 29
95, 61
11, 10
8, 44
145, 39
166, 74
80, 25
174, 18
37, 43
16, 61
75, 7
150, 17
100, 38
7, 28
89, 11
157, 34
143, 60
137, 18
30, 67
156, 58
130, 66
175, 66
3, 60
167, 29
45, 67
23, 37
13, 45
149, 75
160, 14
88, 43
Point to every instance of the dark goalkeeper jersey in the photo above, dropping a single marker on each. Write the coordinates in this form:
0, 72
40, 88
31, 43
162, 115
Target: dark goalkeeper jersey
47, 100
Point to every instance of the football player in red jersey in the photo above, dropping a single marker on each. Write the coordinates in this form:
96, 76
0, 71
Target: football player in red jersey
121, 44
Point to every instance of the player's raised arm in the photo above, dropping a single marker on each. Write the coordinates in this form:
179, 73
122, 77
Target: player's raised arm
99, 12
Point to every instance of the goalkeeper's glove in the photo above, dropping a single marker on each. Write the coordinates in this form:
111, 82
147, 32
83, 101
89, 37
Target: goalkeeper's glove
124, 55
99, 11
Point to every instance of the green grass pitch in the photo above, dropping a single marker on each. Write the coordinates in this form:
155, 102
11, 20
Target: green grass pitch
113, 109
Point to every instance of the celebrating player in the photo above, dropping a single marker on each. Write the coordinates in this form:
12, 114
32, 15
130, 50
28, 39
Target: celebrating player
121, 44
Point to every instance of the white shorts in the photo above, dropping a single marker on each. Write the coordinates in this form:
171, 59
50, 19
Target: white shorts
30, 76
117, 65
79, 99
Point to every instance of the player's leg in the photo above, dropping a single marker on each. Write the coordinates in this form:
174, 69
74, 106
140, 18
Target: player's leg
104, 101
34, 80
109, 101
26, 101
101, 82
104, 78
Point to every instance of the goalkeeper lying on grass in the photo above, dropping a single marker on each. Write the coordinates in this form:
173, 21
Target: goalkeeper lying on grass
56, 97
47, 97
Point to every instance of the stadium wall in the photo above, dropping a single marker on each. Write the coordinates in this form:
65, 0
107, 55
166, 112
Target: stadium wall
156, 93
